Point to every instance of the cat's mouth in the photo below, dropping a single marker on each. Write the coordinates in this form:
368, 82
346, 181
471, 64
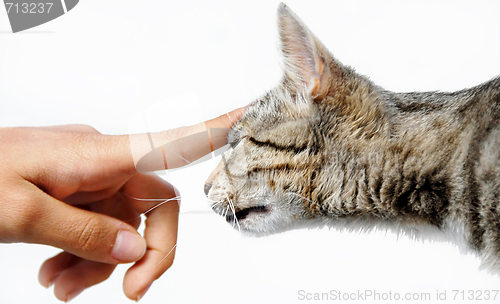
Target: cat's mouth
243, 213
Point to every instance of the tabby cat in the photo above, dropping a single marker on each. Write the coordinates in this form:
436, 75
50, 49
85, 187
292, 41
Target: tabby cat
329, 145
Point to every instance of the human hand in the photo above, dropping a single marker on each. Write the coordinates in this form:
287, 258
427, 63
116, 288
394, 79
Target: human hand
75, 189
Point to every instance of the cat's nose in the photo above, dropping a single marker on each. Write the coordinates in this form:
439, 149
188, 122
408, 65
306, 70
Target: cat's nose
207, 188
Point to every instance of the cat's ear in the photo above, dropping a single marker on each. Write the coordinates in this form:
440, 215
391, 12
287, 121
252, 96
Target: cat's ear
305, 57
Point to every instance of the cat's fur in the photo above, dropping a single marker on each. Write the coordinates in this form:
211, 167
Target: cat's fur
327, 143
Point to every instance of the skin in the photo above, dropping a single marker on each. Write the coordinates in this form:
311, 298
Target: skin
72, 188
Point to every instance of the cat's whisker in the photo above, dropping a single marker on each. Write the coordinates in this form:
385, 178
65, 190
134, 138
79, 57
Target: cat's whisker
161, 200
235, 219
187, 161
232, 209
296, 194
165, 201
233, 224
166, 255
214, 201
215, 205
147, 199
211, 200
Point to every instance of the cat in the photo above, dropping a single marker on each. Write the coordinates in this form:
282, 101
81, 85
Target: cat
328, 145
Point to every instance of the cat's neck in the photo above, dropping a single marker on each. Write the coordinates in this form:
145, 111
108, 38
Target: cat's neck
402, 176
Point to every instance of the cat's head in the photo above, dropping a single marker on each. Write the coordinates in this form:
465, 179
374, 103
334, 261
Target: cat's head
274, 171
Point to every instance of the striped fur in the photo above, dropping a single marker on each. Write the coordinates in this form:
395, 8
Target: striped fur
329, 144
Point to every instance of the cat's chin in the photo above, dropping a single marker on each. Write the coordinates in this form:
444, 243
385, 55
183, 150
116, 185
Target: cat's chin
265, 227
254, 224
260, 224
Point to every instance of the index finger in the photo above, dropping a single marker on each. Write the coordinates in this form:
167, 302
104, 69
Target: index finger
178, 147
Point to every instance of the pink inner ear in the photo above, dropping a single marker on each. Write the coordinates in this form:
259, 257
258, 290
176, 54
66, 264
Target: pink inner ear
320, 65
304, 65
314, 86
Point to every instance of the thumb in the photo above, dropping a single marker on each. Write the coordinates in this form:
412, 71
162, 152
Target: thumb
89, 235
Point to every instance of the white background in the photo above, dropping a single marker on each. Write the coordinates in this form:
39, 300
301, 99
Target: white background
105, 62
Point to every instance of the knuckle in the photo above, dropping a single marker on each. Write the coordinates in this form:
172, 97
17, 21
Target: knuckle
89, 129
89, 234
82, 128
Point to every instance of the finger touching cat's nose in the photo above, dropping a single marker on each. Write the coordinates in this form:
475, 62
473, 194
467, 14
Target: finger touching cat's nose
207, 188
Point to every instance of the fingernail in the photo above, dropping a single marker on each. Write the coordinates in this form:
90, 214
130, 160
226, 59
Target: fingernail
128, 247
74, 294
143, 292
